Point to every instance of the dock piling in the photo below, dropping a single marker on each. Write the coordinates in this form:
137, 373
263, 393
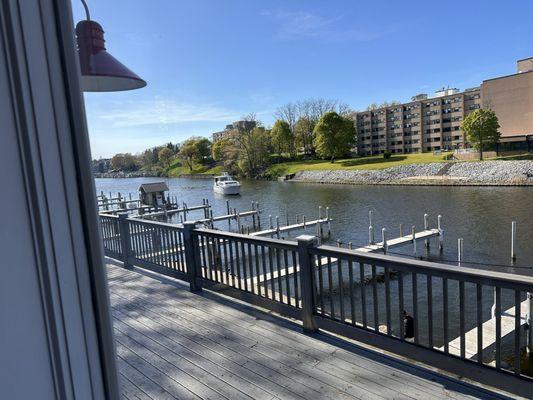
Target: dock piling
459, 251
513, 240
384, 239
413, 233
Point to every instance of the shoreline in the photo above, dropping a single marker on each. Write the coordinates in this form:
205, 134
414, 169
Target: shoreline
486, 173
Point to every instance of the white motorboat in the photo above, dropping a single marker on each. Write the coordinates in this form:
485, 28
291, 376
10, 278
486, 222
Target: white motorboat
225, 184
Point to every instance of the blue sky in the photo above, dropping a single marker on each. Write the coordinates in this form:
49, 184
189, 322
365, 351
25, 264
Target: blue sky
209, 62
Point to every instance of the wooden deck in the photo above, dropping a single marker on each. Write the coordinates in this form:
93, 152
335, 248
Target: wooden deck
175, 344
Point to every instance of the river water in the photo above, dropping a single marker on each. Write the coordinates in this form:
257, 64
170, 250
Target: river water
480, 215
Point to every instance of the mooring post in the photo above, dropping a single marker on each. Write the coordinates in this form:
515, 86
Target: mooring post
192, 256
277, 226
459, 251
426, 227
125, 239
401, 230
270, 222
370, 229
303, 221
441, 233
239, 226
211, 219
286, 215
307, 276
413, 233
513, 240
339, 243
384, 240
164, 207
350, 245
258, 215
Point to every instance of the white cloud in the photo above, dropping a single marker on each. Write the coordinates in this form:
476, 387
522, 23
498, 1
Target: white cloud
303, 24
160, 111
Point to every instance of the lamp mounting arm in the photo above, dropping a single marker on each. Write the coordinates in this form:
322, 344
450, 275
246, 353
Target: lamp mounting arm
87, 13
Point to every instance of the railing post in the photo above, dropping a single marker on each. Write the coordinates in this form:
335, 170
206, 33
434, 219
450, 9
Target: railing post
307, 281
125, 240
192, 255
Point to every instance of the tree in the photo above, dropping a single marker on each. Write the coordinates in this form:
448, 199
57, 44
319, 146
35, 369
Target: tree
124, 162
253, 145
189, 152
481, 129
304, 136
165, 155
282, 137
375, 106
334, 136
203, 148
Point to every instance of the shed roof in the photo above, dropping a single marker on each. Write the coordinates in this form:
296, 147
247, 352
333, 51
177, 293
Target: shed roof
153, 187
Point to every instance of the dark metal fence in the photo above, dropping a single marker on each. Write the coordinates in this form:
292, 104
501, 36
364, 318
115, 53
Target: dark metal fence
410, 307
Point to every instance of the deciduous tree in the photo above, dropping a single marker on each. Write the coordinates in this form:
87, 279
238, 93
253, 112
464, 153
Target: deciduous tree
481, 129
334, 136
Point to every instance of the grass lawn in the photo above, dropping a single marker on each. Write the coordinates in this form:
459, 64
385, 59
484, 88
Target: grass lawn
179, 167
372, 162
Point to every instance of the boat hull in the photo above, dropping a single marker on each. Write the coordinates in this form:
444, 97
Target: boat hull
227, 190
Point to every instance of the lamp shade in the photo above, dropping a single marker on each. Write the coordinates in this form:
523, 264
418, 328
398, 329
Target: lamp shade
100, 71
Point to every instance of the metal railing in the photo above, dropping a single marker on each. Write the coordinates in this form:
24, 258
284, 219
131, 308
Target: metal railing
435, 313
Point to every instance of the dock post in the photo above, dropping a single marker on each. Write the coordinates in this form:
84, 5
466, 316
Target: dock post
239, 226
303, 221
258, 215
277, 226
228, 209
513, 241
192, 255
413, 233
459, 251
384, 239
350, 245
125, 240
164, 207
401, 230
370, 229
426, 227
307, 276
441, 233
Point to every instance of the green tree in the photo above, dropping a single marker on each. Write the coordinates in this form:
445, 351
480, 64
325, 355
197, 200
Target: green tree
203, 148
124, 162
165, 155
303, 131
282, 137
481, 129
189, 152
334, 136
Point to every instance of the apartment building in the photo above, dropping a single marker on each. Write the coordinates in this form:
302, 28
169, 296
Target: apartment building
428, 124
237, 125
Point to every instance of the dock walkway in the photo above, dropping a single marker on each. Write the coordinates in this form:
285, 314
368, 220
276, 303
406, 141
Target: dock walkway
172, 344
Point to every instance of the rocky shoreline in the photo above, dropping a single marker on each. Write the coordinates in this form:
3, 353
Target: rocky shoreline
122, 174
486, 173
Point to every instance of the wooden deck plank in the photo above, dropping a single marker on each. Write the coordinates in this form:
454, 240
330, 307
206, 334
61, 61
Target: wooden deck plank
284, 362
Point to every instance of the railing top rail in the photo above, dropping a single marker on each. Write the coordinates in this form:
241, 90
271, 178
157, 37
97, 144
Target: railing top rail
156, 223
106, 215
259, 240
506, 279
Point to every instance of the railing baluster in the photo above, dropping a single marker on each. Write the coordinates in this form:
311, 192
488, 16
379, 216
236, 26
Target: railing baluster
237, 265
264, 270
517, 324
271, 268
429, 286
330, 286
363, 294
479, 317
341, 289
287, 278
244, 267
387, 301
320, 283
232, 269
375, 298
352, 294
278, 269
498, 316
225, 265
400, 304
414, 278
445, 314
257, 273
462, 318
295, 280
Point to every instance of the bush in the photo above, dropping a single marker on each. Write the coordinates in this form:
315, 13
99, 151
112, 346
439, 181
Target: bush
387, 154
